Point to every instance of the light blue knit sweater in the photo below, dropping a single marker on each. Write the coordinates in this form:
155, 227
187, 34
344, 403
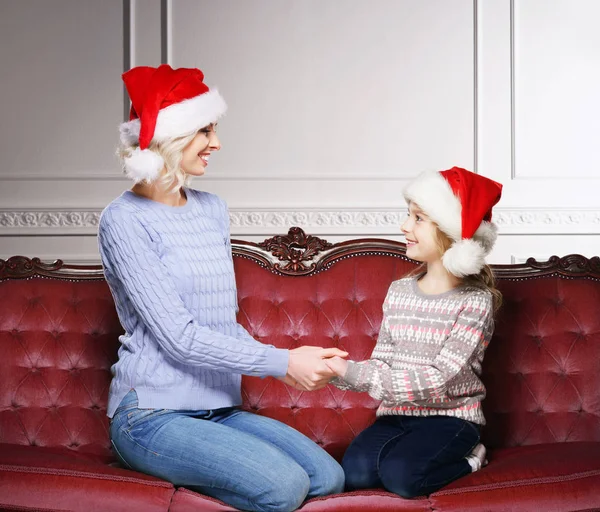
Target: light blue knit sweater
170, 272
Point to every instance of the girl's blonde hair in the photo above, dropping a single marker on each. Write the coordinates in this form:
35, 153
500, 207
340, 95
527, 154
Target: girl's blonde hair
171, 152
485, 279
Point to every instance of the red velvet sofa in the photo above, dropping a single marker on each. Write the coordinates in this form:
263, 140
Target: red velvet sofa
58, 340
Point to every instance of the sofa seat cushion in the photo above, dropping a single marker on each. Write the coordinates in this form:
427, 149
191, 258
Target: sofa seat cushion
359, 501
62, 479
185, 500
549, 477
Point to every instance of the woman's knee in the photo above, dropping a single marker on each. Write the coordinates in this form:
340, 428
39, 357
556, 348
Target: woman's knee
285, 491
330, 479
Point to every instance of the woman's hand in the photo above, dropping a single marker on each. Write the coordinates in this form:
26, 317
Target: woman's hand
286, 379
337, 365
307, 367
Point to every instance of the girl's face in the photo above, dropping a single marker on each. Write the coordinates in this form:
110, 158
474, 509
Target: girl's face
196, 154
421, 239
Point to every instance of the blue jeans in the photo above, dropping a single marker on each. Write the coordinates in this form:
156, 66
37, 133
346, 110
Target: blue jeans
246, 460
410, 456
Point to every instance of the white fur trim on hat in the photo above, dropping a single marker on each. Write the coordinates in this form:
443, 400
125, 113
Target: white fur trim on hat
143, 165
433, 194
179, 119
464, 258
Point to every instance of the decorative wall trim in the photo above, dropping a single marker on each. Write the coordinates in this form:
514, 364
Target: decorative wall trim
343, 222
48, 221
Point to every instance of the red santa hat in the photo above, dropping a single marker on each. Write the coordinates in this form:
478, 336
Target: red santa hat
165, 103
460, 202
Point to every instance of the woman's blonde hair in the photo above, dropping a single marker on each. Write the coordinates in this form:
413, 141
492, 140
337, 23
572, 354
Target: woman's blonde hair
171, 152
485, 279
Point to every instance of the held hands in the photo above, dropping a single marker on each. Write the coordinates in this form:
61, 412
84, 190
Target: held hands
337, 365
308, 367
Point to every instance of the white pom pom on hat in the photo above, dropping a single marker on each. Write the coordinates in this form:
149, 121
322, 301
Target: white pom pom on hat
165, 103
143, 165
460, 202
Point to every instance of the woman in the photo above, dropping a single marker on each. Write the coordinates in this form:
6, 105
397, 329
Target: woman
167, 258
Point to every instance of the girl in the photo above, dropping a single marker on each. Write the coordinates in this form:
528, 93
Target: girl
426, 365
167, 258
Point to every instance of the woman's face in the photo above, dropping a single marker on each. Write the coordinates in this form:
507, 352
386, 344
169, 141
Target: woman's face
196, 154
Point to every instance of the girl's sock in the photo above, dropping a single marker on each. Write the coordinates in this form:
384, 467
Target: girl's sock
476, 458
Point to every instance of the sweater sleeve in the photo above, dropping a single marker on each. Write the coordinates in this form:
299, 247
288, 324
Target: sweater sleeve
377, 377
127, 251
379, 357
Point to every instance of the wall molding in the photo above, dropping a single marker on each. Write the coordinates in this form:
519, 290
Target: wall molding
328, 221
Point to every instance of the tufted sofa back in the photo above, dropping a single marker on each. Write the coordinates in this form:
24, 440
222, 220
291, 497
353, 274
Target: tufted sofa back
59, 330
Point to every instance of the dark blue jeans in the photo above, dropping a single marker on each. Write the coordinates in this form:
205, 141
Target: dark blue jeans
410, 456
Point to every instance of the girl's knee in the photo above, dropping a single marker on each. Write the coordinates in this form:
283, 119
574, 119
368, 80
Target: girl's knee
358, 473
401, 479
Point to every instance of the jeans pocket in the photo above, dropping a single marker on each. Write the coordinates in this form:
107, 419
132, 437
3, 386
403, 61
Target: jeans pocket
137, 417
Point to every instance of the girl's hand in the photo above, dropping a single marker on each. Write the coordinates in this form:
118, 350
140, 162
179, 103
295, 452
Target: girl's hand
337, 365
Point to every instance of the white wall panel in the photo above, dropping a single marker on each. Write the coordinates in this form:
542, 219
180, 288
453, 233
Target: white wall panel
556, 80
333, 105
334, 90
60, 101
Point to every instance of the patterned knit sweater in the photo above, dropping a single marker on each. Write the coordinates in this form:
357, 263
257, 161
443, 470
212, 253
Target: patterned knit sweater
427, 360
170, 271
